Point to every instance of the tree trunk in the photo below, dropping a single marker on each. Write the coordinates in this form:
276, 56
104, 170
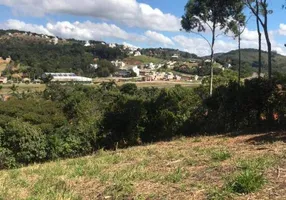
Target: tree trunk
259, 42
269, 48
212, 59
265, 27
239, 56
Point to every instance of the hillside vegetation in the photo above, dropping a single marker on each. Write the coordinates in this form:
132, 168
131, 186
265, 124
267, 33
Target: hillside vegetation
220, 167
249, 57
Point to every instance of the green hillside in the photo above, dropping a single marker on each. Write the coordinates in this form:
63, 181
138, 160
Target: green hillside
250, 57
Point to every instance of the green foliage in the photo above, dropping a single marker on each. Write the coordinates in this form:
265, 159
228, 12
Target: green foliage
246, 182
7, 160
129, 88
69, 56
26, 142
123, 122
200, 12
220, 155
105, 68
74, 120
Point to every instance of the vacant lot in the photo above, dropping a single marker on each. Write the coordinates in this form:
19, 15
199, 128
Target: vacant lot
22, 87
217, 167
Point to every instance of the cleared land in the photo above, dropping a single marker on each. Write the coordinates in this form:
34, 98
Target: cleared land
187, 168
6, 88
143, 59
22, 87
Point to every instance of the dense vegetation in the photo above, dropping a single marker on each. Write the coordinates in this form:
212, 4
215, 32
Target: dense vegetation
38, 55
167, 54
70, 121
249, 59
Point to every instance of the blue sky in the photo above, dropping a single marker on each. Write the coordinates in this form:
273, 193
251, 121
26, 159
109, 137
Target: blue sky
142, 23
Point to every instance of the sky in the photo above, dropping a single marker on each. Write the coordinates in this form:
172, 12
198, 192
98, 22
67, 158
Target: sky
139, 23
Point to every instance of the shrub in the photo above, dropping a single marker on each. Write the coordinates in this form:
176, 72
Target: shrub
26, 142
220, 155
246, 182
7, 160
70, 141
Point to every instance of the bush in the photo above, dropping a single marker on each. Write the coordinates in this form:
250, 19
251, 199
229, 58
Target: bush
123, 124
26, 142
7, 160
69, 141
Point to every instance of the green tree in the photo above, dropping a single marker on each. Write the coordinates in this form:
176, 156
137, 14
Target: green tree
214, 15
25, 141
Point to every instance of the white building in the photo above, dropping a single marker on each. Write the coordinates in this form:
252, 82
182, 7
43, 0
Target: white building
94, 66
137, 53
175, 56
112, 45
136, 70
67, 77
55, 40
87, 44
119, 64
169, 76
151, 66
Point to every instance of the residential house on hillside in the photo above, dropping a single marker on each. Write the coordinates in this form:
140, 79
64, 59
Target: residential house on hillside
118, 64
169, 76
137, 53
136, 70
112, 45
87, 44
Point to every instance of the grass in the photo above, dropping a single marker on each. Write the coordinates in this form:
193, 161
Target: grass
246, 182
145, 59
220, 155
6, 89
188, 168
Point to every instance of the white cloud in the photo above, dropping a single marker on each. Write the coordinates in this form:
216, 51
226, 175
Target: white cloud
19, 25
128, 12
130, 45
87, 30
155, 37
81, 31
282, 29
200, 47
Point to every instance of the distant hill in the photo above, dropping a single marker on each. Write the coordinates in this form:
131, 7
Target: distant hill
45, 53
250, 57
167, 53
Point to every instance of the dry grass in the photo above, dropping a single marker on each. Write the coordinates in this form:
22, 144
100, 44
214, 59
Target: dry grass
187, 168
22, 87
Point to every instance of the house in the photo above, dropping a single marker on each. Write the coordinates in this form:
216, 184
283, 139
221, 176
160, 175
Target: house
175, 56
137, 53
119, 64
178, 78
151, 66
122, 73
112, 45
3, 80
93, 66
136, 70
55, 40
169, 76
87, 44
